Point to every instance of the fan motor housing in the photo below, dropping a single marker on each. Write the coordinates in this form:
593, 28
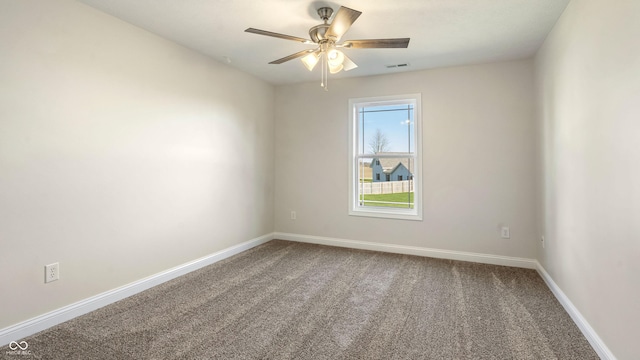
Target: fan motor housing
317, 32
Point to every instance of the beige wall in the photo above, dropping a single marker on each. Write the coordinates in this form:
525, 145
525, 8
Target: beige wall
478, 159
118, 150
121, 155
588, 87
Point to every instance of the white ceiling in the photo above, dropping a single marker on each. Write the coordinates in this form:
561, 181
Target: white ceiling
442, 32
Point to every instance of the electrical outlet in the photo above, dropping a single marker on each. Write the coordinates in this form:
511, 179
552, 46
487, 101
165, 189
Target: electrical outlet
505, 233
542, 240
293, 215
51, 272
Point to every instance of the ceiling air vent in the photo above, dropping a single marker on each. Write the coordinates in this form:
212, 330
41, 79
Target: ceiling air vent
397, 66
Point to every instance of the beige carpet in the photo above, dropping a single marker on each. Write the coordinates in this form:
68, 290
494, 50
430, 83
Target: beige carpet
286, 300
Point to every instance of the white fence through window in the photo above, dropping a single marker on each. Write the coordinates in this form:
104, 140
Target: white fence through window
386, 187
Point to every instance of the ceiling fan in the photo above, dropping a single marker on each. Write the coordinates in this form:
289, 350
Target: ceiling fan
327, 37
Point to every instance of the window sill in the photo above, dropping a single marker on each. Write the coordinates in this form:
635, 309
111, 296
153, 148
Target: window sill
381, 213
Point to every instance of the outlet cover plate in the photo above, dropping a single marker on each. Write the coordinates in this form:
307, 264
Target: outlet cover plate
51, 272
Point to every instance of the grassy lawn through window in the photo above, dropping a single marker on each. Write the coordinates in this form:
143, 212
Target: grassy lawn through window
399, 200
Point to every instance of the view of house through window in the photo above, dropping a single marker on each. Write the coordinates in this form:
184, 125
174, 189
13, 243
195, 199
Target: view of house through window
384, 157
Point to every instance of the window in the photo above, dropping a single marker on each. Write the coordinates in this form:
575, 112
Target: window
385, 136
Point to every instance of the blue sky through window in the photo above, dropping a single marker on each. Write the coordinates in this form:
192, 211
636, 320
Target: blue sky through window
396, 122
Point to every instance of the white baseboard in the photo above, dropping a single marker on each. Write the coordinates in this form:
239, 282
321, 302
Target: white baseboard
45, 321
596, 342
412, 250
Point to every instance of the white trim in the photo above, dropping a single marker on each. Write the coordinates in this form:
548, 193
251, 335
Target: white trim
596, 342
412, 250
65, 313
353, 141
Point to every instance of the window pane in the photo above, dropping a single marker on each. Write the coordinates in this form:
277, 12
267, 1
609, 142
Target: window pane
386, 129
392, 190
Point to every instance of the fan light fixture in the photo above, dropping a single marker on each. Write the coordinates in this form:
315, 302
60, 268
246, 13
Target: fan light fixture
335, 60
332, 62
311, 60
327, 37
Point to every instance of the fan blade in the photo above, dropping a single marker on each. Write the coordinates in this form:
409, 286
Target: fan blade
377, 43
292, 56
277, 35
348, 64
342, 22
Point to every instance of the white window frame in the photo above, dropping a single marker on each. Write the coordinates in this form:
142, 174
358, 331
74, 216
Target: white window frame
355, 208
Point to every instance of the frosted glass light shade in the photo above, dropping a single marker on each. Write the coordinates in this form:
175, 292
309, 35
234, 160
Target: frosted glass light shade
335, 57
335, 69
310, 60
334, 61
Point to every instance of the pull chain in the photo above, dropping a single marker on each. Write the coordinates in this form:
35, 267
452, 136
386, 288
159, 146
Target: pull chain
324, 72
